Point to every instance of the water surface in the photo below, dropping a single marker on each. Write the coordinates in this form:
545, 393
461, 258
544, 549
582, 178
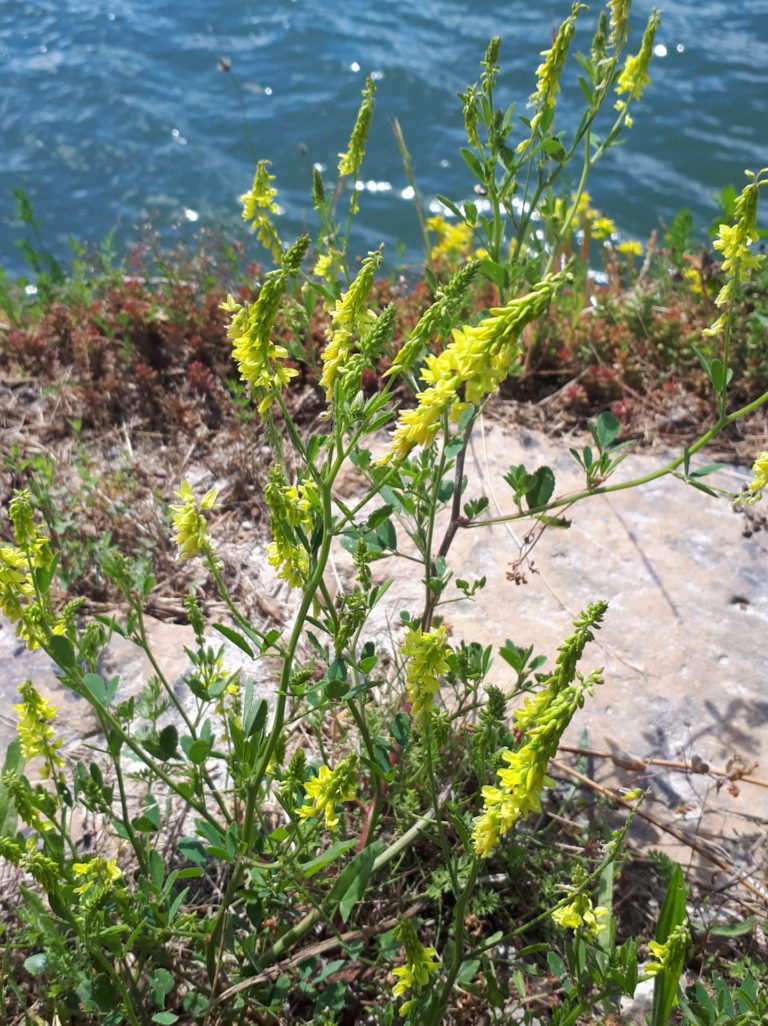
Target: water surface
115, 109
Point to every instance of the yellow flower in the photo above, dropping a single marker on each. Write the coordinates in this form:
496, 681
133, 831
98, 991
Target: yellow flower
693, 278
258, 204
427, 654
630, 248
189, 522
760, 470
478, 359
734, 241
580, 915
37, 736
550, 70
98, 874
351, 318
328, 266
602, 227
420, 963
350, 161
633, 77
454, 241
327, 788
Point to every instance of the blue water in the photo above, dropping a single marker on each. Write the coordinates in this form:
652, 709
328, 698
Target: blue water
113, 110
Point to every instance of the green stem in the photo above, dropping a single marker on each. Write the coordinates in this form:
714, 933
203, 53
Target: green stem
669, 468
289, 938
434, 1013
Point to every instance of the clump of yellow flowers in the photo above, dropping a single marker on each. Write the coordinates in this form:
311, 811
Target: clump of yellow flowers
475, 362
542, 720
734, 240
760, 479
327, 788
350, 319
581, 915
258, 204
19, 565
420, 963
634, 77
189, 523
427, 660
35, 731
290, 517
454, 241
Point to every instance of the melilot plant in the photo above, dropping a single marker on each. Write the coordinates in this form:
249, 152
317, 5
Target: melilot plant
245, 839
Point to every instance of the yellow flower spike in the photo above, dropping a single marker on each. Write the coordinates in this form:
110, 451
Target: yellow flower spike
326, 789
350, 161
550, 70
633, 77
189, 522
760, 479
631, 248
427, 654
670, 956
290, 509
350, 320
420, 963
98, 874
258, 204
734, 241
619, 22
37, 736
478, 358
543, 719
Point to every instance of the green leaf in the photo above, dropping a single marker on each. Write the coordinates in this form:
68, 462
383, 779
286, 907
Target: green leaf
192, 850
156, 868
672, 915
736, 930
473, 164
711, 468
235, 637
387, 535
36, 964
350, 887
321, 861
254, 711
451, 206
165, 1018
96, 687
495, 273
14, 763
719, 375
539, 491
198, 751
606, 429
554, 149
160, 986
62, 652
149, 818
